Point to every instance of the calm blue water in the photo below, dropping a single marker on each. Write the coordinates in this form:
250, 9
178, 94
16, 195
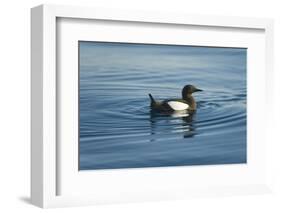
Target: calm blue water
117, 128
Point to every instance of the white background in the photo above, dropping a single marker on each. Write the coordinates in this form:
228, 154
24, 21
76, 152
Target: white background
15, 104
149, 183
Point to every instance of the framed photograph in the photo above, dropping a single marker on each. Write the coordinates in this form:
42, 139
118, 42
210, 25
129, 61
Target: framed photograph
131, 106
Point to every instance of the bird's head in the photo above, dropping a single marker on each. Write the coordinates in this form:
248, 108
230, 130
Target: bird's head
188, 90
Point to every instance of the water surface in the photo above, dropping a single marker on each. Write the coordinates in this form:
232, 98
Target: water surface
117, 127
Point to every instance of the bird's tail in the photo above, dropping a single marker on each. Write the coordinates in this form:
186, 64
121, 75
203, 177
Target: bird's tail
152, 99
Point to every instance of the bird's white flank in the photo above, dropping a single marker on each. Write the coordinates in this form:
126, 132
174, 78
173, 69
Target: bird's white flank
177, 106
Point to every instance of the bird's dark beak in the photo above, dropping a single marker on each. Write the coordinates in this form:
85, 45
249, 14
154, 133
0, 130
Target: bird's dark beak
198, 90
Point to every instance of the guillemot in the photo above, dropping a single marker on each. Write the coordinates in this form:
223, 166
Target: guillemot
187, 103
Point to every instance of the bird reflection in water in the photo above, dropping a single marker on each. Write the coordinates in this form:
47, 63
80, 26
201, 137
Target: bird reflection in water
179, 122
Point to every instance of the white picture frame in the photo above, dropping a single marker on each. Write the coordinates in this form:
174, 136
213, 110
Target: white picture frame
46, 160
